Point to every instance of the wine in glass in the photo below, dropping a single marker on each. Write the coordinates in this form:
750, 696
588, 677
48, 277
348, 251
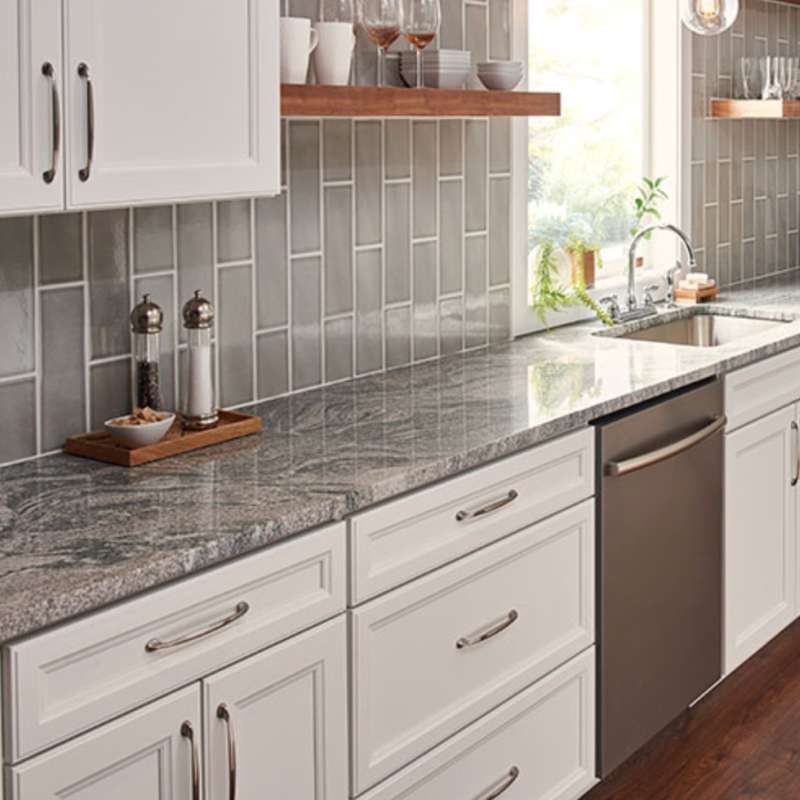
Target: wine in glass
382, 20
421, 19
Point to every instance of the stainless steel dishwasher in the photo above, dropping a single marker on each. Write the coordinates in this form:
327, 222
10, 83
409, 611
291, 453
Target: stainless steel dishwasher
660, 513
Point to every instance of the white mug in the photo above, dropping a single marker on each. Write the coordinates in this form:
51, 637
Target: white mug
298, 41
334, 53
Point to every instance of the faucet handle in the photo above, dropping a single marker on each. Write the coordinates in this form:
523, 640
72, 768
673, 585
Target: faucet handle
612, 301
649, 300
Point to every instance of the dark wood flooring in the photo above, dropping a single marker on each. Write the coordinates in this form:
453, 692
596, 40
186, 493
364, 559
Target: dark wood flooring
740, 742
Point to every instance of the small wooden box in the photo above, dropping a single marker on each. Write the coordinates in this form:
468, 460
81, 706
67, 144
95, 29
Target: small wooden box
99, 445
696, 295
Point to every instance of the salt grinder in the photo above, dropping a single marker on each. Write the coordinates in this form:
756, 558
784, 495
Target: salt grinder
198, 408
147, 322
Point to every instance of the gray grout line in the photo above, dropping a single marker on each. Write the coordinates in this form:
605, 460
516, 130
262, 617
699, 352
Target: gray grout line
20, 378
38, 364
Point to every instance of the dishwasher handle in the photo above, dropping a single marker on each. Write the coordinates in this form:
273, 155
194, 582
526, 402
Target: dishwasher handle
616, 469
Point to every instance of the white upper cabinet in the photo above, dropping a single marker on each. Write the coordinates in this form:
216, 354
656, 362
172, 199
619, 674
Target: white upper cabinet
171, 100
31, 174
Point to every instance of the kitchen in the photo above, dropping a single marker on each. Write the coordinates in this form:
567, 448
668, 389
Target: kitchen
443, 347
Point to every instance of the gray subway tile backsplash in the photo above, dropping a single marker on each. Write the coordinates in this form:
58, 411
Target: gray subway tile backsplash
328, 304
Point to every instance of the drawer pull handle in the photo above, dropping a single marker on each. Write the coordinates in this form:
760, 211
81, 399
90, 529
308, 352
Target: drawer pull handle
154, 645
85, 172
187, 731
489, 633
462, 516
507, 783
223, 713
55, 111
796, 445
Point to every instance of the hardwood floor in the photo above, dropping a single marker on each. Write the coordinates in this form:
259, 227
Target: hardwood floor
740, 742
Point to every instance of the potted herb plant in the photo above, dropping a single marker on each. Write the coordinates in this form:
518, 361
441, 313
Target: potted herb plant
585, 259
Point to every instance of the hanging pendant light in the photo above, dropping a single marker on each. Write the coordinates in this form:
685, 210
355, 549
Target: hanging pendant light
709, 17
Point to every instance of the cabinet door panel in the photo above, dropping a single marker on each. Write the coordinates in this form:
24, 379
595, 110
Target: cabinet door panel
143, 756
760, 523
185, 96
288, 715
30, 36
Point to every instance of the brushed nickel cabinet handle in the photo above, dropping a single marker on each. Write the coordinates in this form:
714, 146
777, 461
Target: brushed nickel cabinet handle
187, 731
796, 441
507, 783
462, 516
223, 713
86, 172
489, 633
154, 645
49, 71
616, 469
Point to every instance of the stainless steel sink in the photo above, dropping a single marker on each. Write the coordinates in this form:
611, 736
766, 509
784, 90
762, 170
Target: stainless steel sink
702, 330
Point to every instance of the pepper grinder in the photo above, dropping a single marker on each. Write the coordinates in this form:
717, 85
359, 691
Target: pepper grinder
147, 322
198, 409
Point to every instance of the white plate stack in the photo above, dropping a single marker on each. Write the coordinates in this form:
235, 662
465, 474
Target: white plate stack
503, 76
441, 69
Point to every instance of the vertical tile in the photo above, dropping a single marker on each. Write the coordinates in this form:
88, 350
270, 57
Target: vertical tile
108, 283
499, 231
425, 171
451, 35
16, 296
271, 261
451, 236
233, 230
398, 243
398, 337
499, 30
195, 251
60, 248
499, 315
235, 335
338, 349
304, 8
161, 291
152, 239
425, 309
451, 147
369, 328
63, 365
476, 175
17, 420
475, 29
397, 147
724, 202
110, 391
338, 250
304, 191
711, 240
499, 144
273, 364
306, 332
451, 325
475, 300
336, 143
697, 202
368, 183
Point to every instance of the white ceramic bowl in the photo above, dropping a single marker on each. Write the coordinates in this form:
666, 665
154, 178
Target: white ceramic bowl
500, 66
499, 83
134, 436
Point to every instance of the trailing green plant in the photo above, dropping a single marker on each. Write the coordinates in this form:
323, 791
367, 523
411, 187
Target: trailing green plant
650, 194
548, 294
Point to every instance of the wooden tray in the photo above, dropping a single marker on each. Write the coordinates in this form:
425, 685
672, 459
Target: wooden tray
697, 295
99, 445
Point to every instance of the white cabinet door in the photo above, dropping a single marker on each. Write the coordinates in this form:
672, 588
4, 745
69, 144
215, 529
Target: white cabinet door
184, 100
31, 175
151, 754
281, 718
760, 534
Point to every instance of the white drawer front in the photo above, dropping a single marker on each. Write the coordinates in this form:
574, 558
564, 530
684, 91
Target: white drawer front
762, 388
540, 744
405, 538
413, 686
83, 673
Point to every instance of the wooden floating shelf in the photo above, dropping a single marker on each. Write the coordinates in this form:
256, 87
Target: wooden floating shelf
755, 109
372, 101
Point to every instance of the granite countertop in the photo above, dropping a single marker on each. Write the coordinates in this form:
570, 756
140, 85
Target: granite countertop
76, 535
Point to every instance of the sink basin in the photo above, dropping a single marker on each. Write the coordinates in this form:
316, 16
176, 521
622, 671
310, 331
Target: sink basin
702, 330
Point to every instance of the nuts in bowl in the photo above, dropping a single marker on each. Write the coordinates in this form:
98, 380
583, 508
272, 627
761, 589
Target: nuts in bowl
141, 428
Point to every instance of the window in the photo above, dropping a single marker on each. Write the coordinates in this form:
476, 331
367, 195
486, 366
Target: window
583, 168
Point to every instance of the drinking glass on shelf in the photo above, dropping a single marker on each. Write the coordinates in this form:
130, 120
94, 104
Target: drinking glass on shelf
382, 20
421, 21
748, 72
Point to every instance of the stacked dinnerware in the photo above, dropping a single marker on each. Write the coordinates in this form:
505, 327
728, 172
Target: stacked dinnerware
441, 69
501, 75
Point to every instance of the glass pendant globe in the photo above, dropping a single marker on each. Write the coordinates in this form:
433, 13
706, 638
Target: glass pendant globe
709, 17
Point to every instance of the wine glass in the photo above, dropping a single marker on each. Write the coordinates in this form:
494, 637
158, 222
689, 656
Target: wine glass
382, 20
421, 20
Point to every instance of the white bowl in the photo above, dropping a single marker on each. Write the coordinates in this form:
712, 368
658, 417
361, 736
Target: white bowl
500, 66
500, 83
133, 436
